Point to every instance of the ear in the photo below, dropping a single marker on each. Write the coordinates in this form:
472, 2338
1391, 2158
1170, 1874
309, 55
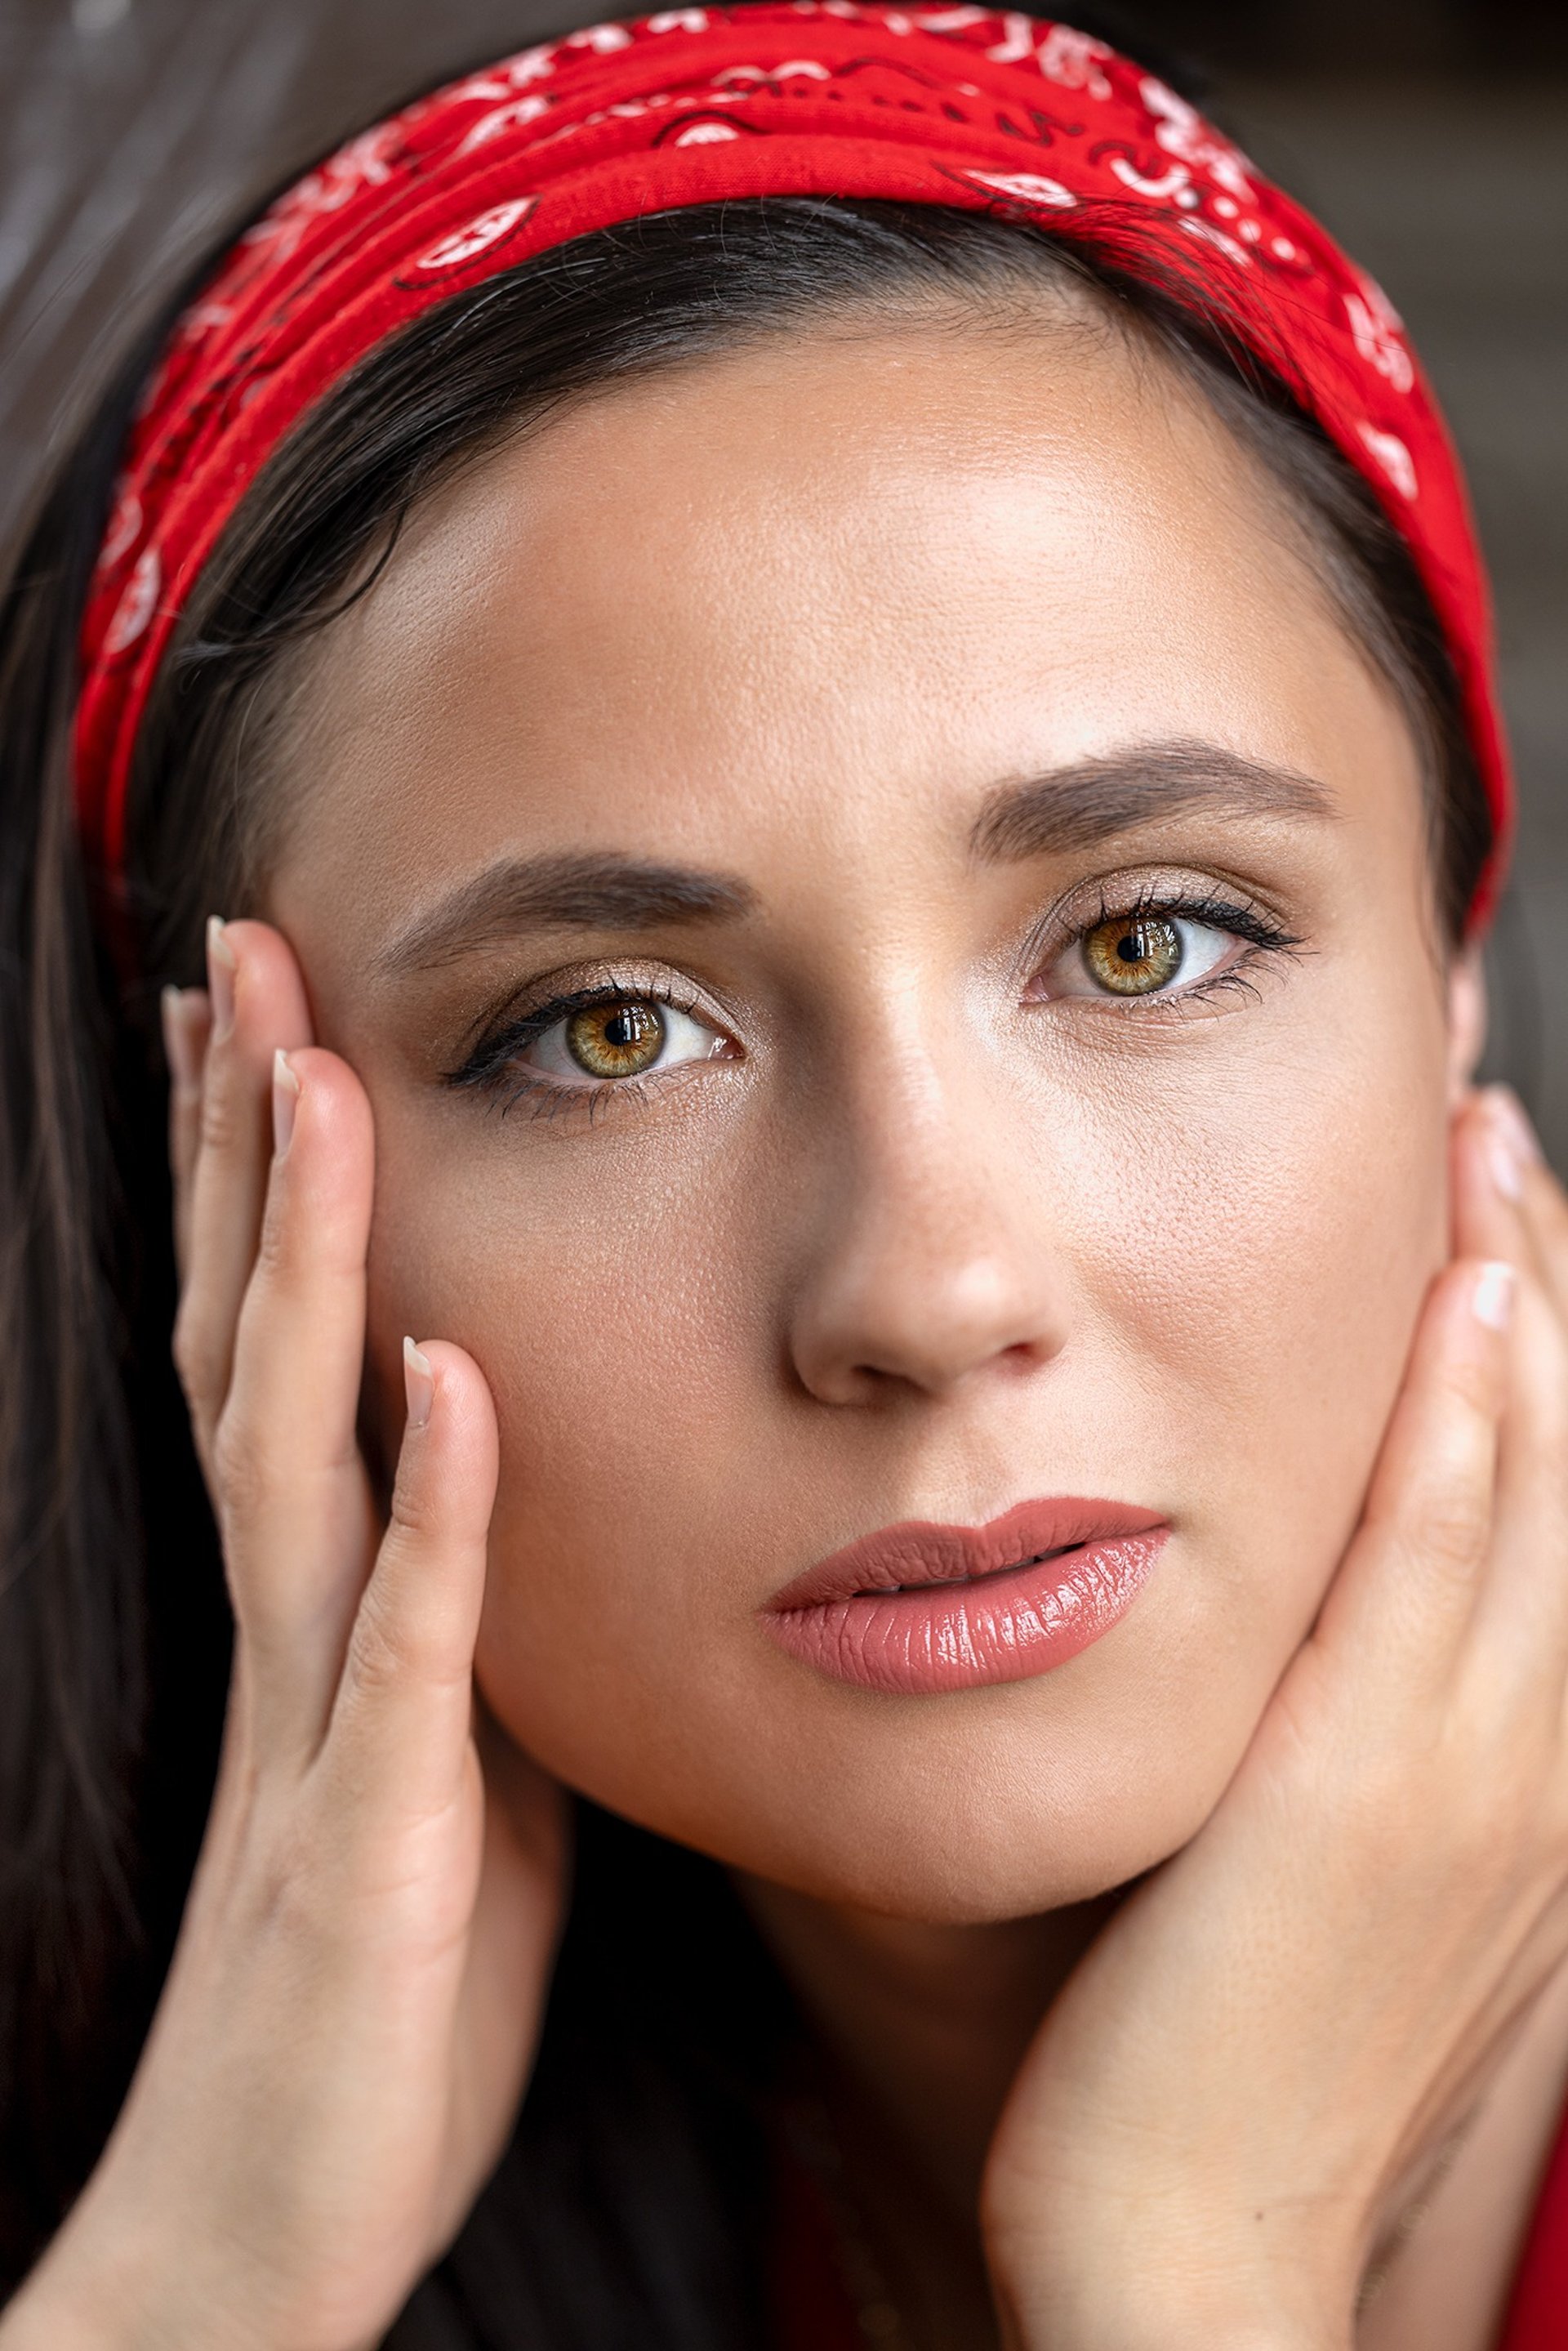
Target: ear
1467, 1014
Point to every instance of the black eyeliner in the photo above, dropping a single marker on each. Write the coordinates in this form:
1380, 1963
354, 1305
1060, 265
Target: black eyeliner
494, 1050
492, 1059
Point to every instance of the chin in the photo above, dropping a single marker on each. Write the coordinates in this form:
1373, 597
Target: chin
958, 1872
964, 1832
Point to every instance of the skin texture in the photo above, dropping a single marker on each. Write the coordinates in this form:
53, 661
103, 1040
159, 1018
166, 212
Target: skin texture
919, 1250
935, 1228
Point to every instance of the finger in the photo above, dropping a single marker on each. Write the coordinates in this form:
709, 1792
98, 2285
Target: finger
187, 1023
403, 1716
1532, 1223
296, 1509
1521, 1623
1516, 1122
1405, 1596
1521, 1628
1546, 1214
257, 1004
518, 1914
1545, 1202
1488, 1186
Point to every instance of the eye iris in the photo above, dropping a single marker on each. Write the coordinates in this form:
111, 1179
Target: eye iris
616, 1040
1133, 954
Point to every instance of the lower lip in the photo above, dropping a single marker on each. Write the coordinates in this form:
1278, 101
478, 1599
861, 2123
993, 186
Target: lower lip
1005, 1627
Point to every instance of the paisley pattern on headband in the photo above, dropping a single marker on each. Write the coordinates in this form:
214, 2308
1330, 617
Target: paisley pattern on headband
958, 105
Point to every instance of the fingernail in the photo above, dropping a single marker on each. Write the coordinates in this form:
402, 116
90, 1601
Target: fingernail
1512, 1119
1502, 1160
1492, 1298
285, 1102
180, 1049
221, 969
419, 1384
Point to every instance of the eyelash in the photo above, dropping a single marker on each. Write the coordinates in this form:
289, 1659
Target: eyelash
1261, 934
493, 1068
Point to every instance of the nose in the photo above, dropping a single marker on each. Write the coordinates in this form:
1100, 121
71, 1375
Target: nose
930, 1263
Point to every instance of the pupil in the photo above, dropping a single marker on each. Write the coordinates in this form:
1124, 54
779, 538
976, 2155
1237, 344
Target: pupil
616, 1040
1130, 947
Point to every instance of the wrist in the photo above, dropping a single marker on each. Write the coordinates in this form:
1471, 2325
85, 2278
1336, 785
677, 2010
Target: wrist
1145, 2302
1155, 2318
93, 2290
1120, 2265
75, 2304
55, 2311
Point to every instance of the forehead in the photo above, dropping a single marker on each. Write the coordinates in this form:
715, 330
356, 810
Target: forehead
815, 585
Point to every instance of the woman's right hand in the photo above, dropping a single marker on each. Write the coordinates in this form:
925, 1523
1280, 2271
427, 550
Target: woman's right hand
348, 2023
1251, 2085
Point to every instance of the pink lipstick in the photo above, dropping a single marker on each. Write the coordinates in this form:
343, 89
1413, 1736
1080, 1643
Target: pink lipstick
922, 1607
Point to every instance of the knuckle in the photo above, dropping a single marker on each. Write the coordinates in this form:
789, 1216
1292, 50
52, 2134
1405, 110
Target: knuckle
385, 1652
1377, 1802
291, 1893
240, 1474
412, 1516
1448, 1528
220, 1123
187, 1351
196, 1359
1471, 1387
275, 1252
299, 1244
1498, 1824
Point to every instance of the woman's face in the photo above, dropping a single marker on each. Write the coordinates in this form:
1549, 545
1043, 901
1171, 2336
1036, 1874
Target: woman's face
844, 700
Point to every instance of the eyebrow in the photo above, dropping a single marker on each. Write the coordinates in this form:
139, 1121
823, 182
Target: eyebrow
1079, 807
597, 891
1069, 809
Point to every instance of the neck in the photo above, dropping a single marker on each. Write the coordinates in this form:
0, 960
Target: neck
924, 2026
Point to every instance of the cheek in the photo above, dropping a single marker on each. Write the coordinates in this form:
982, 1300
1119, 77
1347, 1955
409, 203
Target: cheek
1260, 1277
611, 1292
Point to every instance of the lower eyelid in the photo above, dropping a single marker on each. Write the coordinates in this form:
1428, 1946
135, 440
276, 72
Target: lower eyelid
535, 1095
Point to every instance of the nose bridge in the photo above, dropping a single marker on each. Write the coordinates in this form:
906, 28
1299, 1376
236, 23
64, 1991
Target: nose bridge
928, 1256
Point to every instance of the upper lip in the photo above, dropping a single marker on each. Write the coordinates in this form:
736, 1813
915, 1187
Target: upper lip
928, 1551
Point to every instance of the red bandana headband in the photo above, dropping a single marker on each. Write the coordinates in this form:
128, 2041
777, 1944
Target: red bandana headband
960, 106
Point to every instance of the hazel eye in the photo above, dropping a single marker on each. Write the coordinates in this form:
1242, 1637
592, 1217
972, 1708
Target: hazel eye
1139, 953
1134, 954
623, 1037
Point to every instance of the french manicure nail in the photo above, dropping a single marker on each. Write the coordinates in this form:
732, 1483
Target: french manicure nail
222, 967
285, 1102
1493, 1299
419, 1384
1510, 1116
1502, 1160
179, 1041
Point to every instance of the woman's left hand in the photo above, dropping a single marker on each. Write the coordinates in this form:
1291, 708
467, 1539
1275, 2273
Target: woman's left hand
1260, 2062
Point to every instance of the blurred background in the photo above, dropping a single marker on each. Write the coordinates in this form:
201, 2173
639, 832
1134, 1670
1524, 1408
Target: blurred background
1431, 135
